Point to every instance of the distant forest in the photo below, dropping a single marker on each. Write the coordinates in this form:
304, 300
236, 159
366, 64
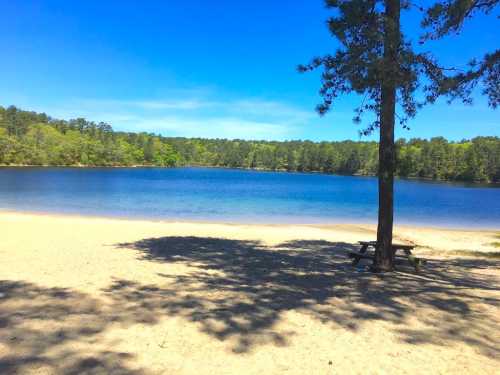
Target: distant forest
29, 138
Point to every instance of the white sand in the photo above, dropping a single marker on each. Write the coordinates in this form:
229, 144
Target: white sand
91, 295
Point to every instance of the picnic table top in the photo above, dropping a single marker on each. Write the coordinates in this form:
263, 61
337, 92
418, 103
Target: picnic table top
394, 245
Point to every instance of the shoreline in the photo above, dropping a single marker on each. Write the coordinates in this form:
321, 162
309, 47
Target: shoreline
429, 240
165, 220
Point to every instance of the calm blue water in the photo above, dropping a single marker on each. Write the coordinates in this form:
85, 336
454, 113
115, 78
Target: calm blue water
241, 196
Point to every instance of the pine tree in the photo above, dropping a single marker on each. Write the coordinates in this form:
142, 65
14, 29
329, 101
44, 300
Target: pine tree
376, 62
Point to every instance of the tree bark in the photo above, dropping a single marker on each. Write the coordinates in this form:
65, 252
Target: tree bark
384, 256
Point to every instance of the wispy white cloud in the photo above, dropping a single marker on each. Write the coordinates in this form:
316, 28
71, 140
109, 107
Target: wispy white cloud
166, 104
194, 116
171, 104
222, 127
272, 109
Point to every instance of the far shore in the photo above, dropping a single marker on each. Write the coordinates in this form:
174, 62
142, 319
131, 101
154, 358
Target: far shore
410, 178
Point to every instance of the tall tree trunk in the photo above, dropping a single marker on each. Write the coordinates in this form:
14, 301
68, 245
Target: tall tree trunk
384, 257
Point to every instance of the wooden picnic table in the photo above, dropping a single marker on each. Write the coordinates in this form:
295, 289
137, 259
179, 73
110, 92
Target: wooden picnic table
406, 249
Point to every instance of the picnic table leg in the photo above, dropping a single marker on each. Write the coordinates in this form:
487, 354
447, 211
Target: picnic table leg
395, 251
413, 260
355, 261
363, 249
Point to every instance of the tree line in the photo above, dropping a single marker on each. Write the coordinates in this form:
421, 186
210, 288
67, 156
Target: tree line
30, 138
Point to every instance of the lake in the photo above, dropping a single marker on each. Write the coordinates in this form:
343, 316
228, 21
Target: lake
210, 194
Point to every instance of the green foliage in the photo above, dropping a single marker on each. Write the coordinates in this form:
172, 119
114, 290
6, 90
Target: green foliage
446, 17
373, 53
45, 141
28, 138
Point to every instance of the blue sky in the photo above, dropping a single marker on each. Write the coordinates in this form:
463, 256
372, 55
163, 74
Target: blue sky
203, 68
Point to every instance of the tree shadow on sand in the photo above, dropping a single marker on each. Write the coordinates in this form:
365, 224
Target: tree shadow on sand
49, 330
239, 290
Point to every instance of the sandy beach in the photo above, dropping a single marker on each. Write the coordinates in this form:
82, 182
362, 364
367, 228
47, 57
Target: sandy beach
83, 295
